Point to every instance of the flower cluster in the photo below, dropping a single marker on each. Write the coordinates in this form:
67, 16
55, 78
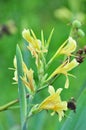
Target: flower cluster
38, 49
35, 45
27, 79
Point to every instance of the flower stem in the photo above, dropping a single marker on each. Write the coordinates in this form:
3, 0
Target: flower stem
8, 105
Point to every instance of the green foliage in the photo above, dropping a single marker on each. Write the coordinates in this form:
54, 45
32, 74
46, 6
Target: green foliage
39, 15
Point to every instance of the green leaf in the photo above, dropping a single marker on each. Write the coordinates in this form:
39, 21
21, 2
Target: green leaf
21, 87
49, 39
26, 54
77, 121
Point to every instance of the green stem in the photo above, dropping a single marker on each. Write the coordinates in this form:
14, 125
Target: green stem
58, 53
51, 60
6, 107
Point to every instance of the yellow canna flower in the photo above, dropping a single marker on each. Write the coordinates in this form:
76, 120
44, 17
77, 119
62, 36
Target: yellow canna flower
28, 78
31, 39
67, 48
64, 69
35, 45
53, 102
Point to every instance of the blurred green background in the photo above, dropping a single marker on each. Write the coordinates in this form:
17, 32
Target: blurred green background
15, 15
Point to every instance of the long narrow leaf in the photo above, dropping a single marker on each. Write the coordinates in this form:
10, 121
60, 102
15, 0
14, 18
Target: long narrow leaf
21, 88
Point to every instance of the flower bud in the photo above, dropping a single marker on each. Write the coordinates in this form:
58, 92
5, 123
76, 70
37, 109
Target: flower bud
80, 51
79, 59
76, 24
81, 33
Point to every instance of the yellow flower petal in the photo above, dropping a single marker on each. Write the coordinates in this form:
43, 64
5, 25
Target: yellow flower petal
28, 78
67, 82
64, 68
15, 62
71, 65
51, 90
58, 91
32, 40
52, 114
53, 102
70, 47
61, 114
15, 78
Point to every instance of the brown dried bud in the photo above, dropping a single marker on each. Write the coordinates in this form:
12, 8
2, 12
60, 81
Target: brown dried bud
5, 30
71, 104
80, 51
79, 59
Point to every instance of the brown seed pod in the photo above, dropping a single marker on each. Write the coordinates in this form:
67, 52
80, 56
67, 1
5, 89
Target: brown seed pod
71, 104
80, 51
80, 59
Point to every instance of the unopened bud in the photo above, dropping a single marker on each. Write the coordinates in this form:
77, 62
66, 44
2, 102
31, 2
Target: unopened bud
79, 59
76, 24
81, 33
80, 51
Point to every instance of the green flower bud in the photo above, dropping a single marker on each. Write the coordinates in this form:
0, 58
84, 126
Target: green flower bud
81, 33
76, 24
